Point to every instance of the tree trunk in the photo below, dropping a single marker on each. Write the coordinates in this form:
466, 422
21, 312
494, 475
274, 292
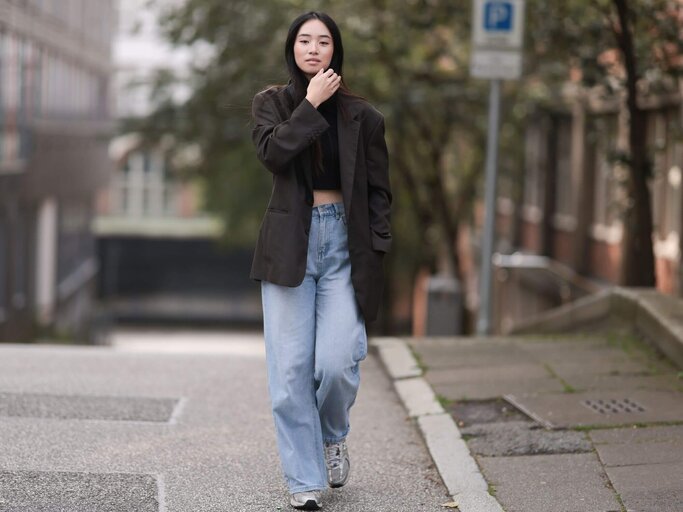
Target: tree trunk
638, 264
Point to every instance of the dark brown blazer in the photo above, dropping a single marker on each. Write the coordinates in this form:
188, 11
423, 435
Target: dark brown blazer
284, 134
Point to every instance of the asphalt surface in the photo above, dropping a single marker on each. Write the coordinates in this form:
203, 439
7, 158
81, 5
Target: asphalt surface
215, 452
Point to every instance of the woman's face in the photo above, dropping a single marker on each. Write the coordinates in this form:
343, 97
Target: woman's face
313, 47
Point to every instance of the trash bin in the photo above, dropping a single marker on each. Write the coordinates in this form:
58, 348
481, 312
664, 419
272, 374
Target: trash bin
444, 306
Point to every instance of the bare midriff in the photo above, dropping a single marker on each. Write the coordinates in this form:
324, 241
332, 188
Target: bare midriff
326, 197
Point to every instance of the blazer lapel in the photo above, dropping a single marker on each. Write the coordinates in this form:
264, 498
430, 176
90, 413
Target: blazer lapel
347, 133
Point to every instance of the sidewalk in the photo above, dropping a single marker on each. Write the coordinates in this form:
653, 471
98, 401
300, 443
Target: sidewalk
554, 423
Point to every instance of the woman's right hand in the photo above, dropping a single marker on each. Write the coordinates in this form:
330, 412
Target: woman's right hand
322, 86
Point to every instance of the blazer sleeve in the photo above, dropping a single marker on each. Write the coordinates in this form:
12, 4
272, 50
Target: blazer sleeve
277, 142
379, 189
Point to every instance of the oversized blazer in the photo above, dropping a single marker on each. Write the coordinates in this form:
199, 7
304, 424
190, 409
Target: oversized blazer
284, 134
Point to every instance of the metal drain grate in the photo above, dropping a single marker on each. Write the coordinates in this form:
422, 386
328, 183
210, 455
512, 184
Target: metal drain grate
613, 405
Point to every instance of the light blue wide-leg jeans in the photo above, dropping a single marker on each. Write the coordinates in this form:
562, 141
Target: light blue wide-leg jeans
315, 338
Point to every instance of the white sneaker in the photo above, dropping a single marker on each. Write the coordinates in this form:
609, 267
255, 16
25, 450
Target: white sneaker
307, 500
338, 463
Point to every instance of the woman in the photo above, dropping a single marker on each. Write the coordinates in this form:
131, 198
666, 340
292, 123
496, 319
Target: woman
319, 252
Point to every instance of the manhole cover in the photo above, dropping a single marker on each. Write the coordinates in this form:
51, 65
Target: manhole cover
613, 405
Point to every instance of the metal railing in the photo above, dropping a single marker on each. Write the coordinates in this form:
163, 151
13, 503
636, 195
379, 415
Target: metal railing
526, 285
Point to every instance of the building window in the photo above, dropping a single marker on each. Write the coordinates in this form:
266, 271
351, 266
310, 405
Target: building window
9, 98
674, 178
564, 184
70, 91
3, 268
666, 169
28, 90
535, 158
144, 187
21, 252
76, 244
19, 74
606, 187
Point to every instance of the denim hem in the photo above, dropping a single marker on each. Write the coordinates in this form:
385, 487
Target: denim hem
335, 439
308, 488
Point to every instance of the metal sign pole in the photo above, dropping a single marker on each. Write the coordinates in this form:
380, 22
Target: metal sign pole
497, 34
488, 238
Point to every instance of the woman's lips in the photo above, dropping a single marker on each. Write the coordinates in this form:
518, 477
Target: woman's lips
313, 61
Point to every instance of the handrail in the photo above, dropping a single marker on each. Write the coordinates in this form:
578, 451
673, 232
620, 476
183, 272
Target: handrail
563, 273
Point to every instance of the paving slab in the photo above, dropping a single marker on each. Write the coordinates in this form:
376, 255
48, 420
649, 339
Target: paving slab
478, 383
43, 491
483, 390
570, 409
550, 483
471, 412
618, 348
437, 357
601, 366
658, 452
490, 374
638, 435
669, 382
599, 350
638, 446
559, 351
464, 343
557, 342
523, 438
649, 487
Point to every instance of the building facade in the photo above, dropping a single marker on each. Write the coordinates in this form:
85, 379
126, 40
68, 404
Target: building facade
572, 199
160, 254
55, 68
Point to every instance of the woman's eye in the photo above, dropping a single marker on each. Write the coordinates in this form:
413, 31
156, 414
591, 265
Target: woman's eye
324, 43
303, 41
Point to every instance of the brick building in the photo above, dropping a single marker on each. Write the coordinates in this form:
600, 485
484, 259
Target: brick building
571, 198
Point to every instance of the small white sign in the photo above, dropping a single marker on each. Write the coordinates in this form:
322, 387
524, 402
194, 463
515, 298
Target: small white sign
497, 36
496, 64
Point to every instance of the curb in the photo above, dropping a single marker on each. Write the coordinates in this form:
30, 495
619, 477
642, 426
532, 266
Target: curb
457, 468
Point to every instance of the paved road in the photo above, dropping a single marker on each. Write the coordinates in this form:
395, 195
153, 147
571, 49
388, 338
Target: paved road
207, 443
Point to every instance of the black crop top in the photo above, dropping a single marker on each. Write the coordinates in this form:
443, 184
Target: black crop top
328, 178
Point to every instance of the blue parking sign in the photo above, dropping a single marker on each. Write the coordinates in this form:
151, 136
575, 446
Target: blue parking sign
498, 16
497, 37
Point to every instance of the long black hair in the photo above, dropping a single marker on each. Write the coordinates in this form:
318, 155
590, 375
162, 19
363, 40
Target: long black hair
298, 78
296, 75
